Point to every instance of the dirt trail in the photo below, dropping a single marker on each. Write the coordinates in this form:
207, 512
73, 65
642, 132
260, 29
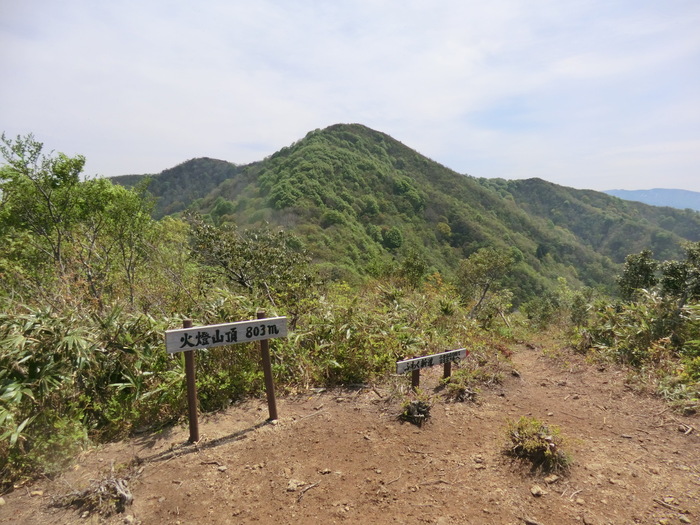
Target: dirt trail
343, 457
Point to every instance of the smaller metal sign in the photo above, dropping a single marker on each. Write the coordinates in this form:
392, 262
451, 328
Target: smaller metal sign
184, 339
430, 360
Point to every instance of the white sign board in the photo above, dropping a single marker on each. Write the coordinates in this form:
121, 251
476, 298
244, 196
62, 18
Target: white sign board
430, 360
197, 337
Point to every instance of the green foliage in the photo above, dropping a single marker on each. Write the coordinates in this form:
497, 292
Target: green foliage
658, 331
331, 217
414, 268
479, 277
176, 188
612, 227
681, 279
265, 263
691, 368
416, 411
392, 238
58, 229
485, 367
639, 273
57, 375
563, 307
676, 279
37, 194
627, 332
681, 392
540, 444
665, 312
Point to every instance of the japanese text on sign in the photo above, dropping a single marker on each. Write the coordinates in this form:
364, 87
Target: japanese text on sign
185, 339
430, 360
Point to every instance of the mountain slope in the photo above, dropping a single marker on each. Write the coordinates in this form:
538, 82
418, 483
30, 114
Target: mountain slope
612, 227
363, 202
176, 188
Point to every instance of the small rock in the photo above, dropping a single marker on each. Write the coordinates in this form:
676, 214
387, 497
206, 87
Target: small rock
129, 519
85, 514
580, 501
537, 491
2, 501
684, 519
222, 468
34, 493
553, 478
294, 485
324, 471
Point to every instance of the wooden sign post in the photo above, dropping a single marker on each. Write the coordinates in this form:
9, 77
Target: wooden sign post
190, 379
267, 371
188, 339
415, 364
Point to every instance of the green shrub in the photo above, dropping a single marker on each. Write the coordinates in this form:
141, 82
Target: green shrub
537, 443
416, 411
331, 217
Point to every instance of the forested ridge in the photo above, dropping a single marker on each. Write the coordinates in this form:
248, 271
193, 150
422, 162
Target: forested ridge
362, 200
373, 252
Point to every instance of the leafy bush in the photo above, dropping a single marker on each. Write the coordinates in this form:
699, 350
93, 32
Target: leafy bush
331, 217
416, 411
537, 443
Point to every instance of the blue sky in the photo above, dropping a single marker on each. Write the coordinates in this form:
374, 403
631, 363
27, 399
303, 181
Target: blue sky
589, 94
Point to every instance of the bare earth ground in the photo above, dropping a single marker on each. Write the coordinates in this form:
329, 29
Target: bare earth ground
343, 457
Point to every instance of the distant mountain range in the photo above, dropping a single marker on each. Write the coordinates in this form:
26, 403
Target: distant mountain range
682, 199
363, 203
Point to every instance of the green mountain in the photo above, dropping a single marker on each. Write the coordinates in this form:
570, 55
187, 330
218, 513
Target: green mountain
363, 202
177, 187
611, 226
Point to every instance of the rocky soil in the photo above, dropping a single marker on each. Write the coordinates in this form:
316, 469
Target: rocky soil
344, 457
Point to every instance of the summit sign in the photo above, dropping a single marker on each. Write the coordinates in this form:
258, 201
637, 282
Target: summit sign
184, 339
